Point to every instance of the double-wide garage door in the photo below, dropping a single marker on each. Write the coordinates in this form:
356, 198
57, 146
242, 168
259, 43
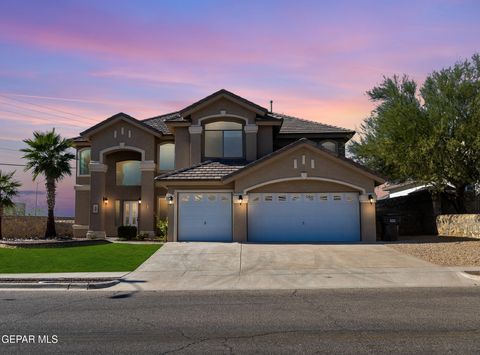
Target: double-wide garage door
303, 217
205, 216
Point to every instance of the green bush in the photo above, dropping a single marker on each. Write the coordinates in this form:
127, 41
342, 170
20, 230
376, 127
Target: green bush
142, 236
127, 232
162, 229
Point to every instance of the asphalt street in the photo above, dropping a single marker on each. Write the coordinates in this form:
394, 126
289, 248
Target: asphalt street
437, 320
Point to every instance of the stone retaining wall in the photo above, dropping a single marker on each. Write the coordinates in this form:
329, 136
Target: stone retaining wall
25, 227
459, 225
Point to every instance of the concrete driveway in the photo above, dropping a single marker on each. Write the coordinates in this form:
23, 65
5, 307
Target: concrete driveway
227, 266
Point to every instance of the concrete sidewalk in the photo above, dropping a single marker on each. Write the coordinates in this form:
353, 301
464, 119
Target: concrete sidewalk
233, 266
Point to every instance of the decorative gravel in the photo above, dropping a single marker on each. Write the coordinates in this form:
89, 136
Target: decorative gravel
446, 251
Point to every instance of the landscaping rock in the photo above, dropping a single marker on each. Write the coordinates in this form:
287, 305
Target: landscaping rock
459, 225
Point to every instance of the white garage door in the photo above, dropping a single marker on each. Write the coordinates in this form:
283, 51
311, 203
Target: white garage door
205, 217
303, 217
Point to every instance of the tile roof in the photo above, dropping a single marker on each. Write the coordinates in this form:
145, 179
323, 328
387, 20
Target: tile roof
292, 125
208, 170
158, 122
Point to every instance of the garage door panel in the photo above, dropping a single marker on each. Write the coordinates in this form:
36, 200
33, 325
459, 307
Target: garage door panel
205, 217
308, 217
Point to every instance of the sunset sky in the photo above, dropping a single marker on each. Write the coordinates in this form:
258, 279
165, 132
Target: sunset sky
70, 64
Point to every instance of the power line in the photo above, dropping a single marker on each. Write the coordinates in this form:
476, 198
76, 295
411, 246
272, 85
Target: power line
43, 106
13, 150
46, 120
10, 164
23, 165
42, 112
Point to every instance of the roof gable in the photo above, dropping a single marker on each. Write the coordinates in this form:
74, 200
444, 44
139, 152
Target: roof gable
304, 143
116, 118
223, 94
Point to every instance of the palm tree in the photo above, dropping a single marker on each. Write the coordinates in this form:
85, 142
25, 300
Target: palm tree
8, 190
47, 154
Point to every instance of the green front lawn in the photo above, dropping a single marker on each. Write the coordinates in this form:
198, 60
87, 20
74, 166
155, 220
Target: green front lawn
105, 257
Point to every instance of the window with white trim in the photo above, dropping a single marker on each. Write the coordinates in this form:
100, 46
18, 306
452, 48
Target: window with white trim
166, 156
223, 139
83, 164
329, 145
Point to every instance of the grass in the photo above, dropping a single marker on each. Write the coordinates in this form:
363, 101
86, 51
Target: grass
105, 257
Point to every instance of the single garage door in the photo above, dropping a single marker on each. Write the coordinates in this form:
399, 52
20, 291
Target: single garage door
205, 216
303, 217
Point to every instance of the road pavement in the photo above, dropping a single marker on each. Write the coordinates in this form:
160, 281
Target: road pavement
414, 320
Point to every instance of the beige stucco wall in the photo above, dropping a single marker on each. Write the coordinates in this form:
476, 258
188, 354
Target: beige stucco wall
368, 229
139, 138
182, 148
239, 222
223, 104
264, 140
82, 211
304, 186
282, 166
135, 143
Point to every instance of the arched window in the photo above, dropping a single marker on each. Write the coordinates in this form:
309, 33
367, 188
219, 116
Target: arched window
83, 164
166, 156
330, 146
128, 173
224, 139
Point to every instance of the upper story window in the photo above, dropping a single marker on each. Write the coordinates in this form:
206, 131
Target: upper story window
166, 156
83, 165
128, 173
331, 146
223, 139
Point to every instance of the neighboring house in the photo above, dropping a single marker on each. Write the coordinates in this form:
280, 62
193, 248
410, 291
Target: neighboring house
223, 169
392, 190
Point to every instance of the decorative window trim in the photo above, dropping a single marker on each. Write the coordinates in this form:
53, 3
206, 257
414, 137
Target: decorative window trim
160, 161
329, 141
78, 162
204, 141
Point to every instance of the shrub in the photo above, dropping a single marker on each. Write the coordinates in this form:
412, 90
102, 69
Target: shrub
142, 236
127, 232
162, 228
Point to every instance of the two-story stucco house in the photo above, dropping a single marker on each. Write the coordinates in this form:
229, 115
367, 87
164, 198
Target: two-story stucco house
223, 169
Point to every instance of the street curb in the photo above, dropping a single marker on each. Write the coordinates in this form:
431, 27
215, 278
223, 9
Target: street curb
469, 276
59, 285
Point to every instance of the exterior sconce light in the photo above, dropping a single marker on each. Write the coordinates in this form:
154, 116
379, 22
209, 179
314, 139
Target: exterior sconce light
105, 201
370, 199
169, 198
139, 200
239, 199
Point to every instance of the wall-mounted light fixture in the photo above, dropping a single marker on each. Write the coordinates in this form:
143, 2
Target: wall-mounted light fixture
105, 201
139, 200
370, 199
169, 198
240, 198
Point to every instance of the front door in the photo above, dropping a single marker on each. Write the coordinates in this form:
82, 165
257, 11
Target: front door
130, 213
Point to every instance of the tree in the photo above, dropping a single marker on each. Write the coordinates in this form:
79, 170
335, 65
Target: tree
8, 190
47, 154
431, 135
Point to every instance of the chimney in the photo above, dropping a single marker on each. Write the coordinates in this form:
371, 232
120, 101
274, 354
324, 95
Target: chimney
271, 105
